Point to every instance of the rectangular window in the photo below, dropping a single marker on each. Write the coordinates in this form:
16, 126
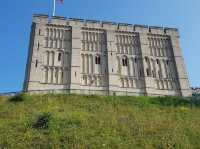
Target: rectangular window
97, 60
38, 46
125, 62
148, 72
59, 56
36, 63
39, 31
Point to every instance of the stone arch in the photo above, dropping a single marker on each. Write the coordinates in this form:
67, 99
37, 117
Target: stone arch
50, 43
58, 34
97, 59
86, 36
83, 36
87, 63
148, 66
52, 58
60, 76
63, 44
133, 66
153, 68
45, 75
118, 49
47, 58
51, 32
118, 64
54, 33
164, 68
47, 32
124, 60
82, 63
136, 67
159, 68
60, 44
90, 63
62, 34
56, 75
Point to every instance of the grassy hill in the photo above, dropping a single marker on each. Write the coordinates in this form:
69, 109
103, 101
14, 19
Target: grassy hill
89, 122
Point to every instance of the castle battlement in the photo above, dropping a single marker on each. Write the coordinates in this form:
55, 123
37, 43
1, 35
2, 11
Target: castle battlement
40, 18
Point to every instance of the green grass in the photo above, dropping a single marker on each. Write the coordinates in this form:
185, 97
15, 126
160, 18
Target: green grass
89, 122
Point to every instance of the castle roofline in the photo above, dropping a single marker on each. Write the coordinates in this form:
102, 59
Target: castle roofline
147, 27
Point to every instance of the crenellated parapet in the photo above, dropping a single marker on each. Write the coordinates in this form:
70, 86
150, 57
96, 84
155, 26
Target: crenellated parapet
40, 18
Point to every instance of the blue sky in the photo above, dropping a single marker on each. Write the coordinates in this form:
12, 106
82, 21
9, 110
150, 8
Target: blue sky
16, 17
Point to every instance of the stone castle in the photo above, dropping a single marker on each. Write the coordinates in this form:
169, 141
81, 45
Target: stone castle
89, 56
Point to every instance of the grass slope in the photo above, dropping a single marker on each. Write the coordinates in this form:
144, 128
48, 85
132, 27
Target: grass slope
89, 122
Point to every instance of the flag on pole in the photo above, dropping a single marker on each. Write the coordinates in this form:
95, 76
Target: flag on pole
60, 1
54, 5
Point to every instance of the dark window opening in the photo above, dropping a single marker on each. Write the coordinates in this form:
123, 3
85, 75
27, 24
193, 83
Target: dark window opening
36, 63
97, 60
125, 62
75, 73
157, 61
146, 59
111, 54
148, 72
59, 56
135, 60
62, 75
167, 62
112, 70
140, 73
38, 46
149, 30
39, 31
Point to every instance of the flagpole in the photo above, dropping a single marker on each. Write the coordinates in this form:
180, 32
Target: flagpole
54, 7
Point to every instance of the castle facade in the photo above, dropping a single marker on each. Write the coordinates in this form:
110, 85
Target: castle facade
88, 56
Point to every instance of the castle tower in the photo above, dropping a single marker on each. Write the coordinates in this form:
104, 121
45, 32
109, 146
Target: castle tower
88, 56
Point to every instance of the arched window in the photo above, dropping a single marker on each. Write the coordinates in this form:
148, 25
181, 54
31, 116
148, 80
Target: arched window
97, 60
36, 63
47, 32
59, 56
148, 72
124, 61
38, 46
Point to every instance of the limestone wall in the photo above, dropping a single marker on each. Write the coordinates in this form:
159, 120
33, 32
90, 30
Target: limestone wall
76, 54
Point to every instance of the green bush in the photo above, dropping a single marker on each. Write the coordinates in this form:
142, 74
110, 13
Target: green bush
18, 98
42, 121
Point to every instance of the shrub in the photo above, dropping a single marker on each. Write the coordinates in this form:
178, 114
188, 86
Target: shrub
42, 121
195, 99
18, 98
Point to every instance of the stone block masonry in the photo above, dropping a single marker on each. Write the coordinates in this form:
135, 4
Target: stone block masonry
85, 56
